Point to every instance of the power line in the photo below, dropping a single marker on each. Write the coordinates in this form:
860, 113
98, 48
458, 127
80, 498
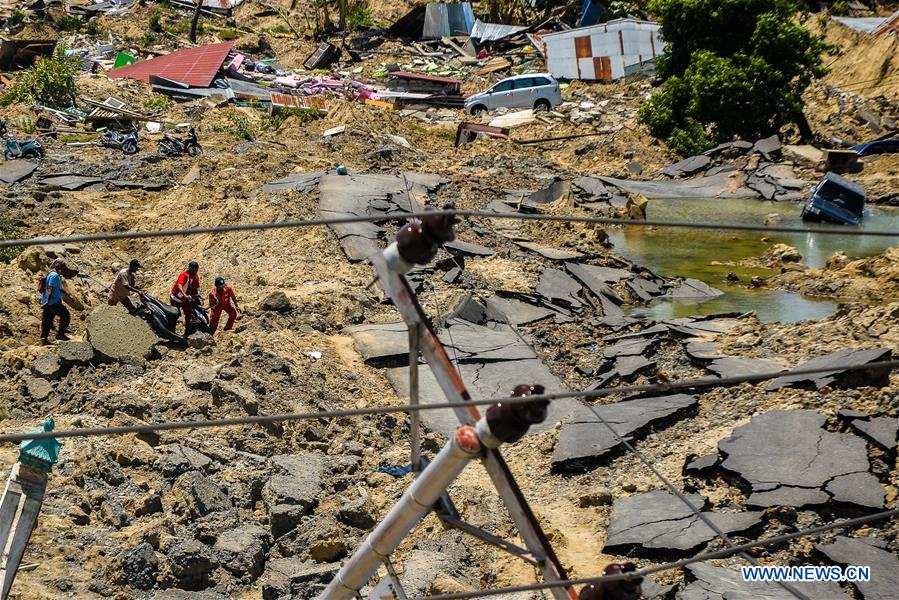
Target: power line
668, 566
703, 382
130, 235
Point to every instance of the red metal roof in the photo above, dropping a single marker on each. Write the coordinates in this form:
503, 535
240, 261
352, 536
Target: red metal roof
196, 67
422, 77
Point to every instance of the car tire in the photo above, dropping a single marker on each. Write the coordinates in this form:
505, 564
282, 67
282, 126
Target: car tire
478, 109
542, 105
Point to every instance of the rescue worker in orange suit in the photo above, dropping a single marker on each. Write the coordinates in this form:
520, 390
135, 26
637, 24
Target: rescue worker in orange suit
222, 298
186, 288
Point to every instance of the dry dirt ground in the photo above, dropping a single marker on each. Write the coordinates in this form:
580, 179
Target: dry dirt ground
109, 495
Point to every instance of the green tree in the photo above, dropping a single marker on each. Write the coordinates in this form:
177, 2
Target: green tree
49, 81
732, 69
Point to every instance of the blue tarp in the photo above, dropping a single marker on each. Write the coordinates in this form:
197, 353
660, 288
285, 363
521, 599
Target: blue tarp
590, 14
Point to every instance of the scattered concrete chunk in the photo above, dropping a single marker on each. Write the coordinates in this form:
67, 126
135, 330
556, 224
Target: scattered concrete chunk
735, 366
192, 564
468, 248
548, 252
688, 166
839, 376
880, 429
294, 492
38, 388
702, 352
788, 458
657, 520
230, 393
884, 565
584, 441
182, 459
12, 171
295, 182
718, 583
768, 147
287, 578
693, 288
197, 496
634, 347
140, 566
116, 336
515, 312
644, 289
558, 287
700, 464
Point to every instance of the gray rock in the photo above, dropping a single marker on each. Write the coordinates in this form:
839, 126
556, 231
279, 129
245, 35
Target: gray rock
717, 583
839, 377
276, 302
12, 171
634, 347
320, 538
199, 377
47, 366
657, 520
232, 394
191, 563
359, 513
584, 441
458, 246
595, 498
884, 580
200, 339
140, 566
693, 289
117, 336
548, 252
38, 389
242, 551
198, 495
788, 458
702, 352
295, 492
644, 289
288, 578
73, 353
469, 309
182, 459
112, 513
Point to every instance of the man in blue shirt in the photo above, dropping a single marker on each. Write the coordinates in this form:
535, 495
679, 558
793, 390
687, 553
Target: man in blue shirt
51, 304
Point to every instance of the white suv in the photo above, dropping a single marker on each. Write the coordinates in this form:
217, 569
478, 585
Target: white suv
538, 91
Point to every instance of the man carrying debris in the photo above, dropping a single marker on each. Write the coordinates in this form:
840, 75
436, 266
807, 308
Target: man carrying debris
123, 285
222, 298
186, 288
51, 303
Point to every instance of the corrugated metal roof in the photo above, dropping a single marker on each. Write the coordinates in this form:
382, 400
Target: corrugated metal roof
614, 25
443, 19
493, 32
423, 77
193, 66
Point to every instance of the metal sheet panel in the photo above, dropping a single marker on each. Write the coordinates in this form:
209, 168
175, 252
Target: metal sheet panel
492, 32
447, 19
196, 67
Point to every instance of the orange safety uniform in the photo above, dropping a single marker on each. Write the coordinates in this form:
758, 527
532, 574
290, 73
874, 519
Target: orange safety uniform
222, 300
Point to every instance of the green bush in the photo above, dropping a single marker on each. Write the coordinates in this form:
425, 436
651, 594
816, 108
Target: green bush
840, 7
93, 28
732, 69
229, 34
69, 23
49, 81
155, 22
15, 19
156, 101
8, 231
26, 125
240, 127
147, 39
358, 17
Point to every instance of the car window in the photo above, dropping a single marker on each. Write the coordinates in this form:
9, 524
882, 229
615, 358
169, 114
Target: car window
502, 86
525, 82
541, 81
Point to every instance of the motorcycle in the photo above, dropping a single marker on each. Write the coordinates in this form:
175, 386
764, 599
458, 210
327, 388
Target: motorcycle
171, 145
126, 142
163, 318
26, 149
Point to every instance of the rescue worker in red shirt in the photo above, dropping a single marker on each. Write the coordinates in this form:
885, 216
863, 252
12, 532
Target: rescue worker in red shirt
222, 298
186, 288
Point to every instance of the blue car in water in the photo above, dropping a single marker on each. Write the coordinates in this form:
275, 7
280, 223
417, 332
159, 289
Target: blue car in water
835, 200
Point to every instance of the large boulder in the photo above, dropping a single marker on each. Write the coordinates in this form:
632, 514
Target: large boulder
199, 377
38, 389
276, 302
319, 538
140, 566
117, 336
